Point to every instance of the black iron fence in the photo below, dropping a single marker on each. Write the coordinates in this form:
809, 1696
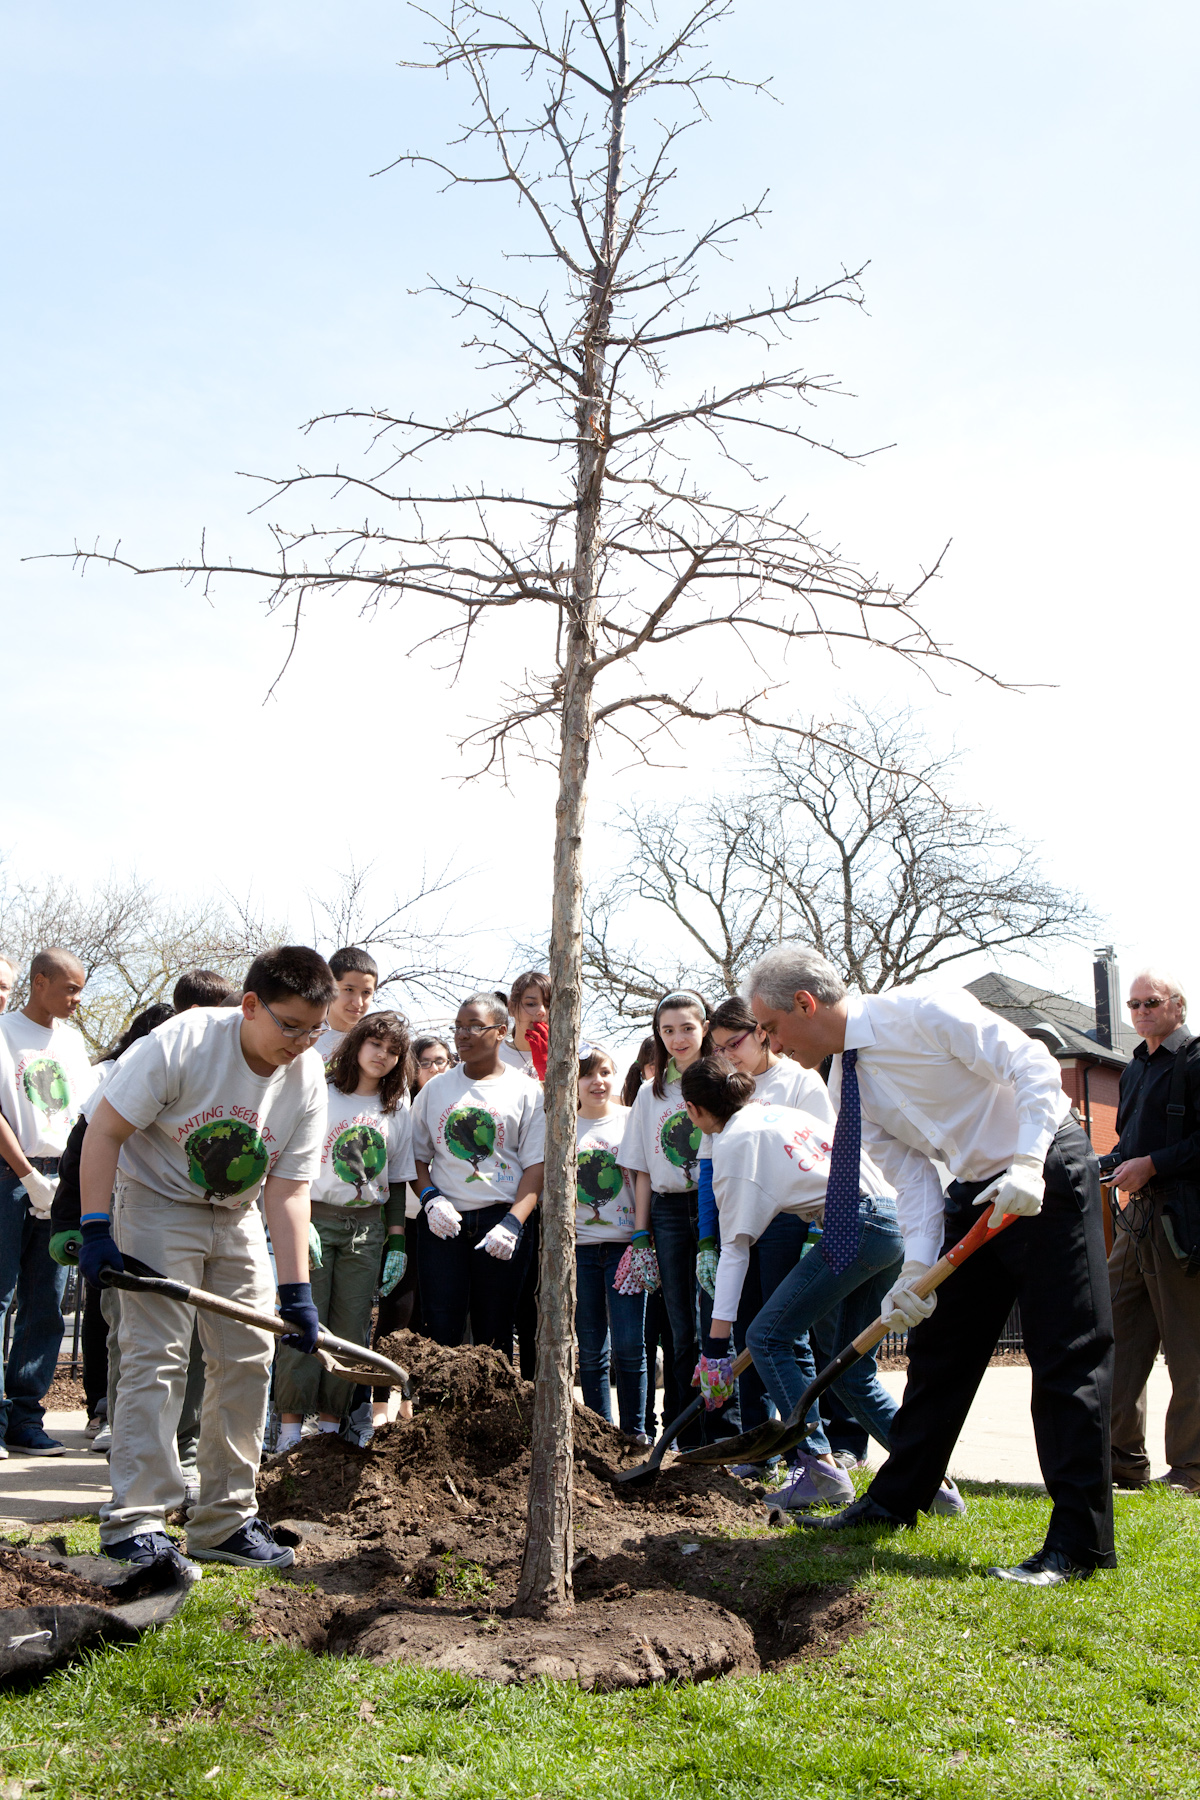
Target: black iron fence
895, 1344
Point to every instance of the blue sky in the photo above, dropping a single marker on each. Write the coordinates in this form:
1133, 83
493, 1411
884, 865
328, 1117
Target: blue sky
200, 261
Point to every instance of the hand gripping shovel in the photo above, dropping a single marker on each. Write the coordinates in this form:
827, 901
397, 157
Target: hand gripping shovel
353, 1362
648, 1470
778, 1436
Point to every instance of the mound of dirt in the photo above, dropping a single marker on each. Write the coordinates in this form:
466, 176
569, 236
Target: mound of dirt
414, 1545
27, 1583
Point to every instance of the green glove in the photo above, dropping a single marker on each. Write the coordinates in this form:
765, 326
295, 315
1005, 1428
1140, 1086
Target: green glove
316, 1256
394, 1265
707, 1257
64, 1247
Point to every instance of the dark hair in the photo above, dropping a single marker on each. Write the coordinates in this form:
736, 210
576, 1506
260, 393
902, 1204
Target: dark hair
201, 987
633, 1075
677, 999
420, 1046
290, 972
147, 1021
532, 978
390, 1028
734, 1015
714, 1084
353, 961
492, 1001
52, 962
596, 1054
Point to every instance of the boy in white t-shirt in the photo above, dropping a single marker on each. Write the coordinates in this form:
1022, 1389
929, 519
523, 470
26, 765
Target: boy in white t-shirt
357, 977
479, 1135
213, 1107
45, 1076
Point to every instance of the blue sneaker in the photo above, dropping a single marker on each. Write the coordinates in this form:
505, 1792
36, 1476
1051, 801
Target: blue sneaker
252, 1546
947, 1503
144, 1548
814, 1483
35, 1442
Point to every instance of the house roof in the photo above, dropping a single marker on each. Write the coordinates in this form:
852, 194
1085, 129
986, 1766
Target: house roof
1075, 1022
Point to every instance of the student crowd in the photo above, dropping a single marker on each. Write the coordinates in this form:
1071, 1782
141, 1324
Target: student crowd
290, 1148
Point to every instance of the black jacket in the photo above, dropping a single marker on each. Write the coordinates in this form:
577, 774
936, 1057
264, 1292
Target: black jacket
1143, 1126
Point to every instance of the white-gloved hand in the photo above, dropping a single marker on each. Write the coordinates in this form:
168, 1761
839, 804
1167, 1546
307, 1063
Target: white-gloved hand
40, 1190
444, 1221
900, 1305
1019, 1190
502, 1239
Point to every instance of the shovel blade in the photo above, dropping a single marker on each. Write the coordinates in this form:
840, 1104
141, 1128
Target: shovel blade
751, 1446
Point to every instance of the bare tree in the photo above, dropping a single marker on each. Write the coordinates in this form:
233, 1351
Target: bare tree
601, 525
848, 840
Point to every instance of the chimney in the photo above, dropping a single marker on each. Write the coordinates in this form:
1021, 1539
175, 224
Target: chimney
1108, 996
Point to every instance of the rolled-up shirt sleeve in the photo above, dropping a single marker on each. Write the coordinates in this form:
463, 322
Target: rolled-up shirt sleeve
996, 1050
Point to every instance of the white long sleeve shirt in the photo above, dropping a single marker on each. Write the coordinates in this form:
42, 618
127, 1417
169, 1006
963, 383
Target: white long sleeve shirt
940, 1077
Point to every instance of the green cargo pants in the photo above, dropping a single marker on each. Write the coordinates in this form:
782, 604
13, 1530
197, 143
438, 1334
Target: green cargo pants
343, 1290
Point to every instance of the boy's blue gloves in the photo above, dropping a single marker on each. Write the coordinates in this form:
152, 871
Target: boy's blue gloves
296, 1307
97, 1250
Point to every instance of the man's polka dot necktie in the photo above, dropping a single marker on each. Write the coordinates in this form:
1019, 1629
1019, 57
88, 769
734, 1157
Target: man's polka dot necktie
842, 1228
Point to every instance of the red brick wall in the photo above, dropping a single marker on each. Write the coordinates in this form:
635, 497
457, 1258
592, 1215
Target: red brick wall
1103, 1087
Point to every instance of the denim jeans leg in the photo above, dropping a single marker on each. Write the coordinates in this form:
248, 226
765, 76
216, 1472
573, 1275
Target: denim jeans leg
673, 1222
773, 1258
13, 1213
591, 1327
38, 1333
627, 1334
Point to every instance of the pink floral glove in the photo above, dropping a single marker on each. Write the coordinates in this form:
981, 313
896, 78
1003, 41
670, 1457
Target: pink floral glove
714, 1377
637, 1271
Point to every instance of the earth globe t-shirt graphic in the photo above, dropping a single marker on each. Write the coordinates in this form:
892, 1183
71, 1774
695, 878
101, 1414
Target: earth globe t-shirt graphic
470, 1134
46, 1085
225, 1158
478, 1136
680, 1141
359, 1155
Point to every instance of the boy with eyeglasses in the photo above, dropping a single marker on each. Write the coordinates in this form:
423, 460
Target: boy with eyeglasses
479, 1135
214, 1107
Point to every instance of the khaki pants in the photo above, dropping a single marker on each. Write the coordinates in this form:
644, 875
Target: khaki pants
1154, 1306
224, 1251
343, 1291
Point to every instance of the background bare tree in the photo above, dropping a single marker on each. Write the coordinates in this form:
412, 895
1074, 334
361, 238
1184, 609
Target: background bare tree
601, 533
850, 840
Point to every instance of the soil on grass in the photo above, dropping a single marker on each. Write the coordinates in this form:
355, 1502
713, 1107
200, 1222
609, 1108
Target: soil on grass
414, 1547
27, 1583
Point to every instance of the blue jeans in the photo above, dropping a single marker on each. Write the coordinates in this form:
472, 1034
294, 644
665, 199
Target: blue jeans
839, 1306
603, 1316
460, 1281
772, 1259
28, 1272
673, 1222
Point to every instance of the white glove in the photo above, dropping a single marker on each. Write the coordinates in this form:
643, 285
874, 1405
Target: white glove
500, 1242
444, 1221
1019, 1190
900, 1305
40, 1190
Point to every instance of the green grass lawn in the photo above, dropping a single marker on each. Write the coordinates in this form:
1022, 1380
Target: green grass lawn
964, 1686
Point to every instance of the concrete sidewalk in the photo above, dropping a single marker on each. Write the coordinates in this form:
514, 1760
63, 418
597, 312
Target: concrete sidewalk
996, 1445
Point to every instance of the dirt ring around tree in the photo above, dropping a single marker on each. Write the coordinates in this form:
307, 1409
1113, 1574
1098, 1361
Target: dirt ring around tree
410, 1550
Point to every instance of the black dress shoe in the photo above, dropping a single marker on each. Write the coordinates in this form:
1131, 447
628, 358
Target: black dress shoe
863, 1511
1048, 1568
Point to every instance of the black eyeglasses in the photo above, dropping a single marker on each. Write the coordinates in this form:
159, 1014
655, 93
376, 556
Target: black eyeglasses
434, 1062
295, 1032
475, 1031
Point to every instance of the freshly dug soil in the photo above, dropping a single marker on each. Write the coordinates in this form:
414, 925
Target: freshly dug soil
25, 1583
65, 1393
414, 1545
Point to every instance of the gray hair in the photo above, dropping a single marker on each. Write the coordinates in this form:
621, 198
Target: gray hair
792, 969
491, 1002
1162, 979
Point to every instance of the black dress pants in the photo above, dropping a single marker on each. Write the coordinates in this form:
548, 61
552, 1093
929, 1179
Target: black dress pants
1055, 1267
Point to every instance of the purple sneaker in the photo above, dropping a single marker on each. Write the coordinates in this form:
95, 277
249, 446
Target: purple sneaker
947, 1503
813, 1483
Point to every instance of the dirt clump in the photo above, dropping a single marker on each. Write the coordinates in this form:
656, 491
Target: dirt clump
24, 1582
414, 1545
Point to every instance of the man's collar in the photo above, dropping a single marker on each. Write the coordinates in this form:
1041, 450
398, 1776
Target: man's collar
1176, 1042
859, 1030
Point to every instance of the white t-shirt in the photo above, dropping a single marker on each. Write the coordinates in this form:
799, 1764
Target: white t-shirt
785, 1083
209, 1128
104, 1074
363, 1151
513, 1058
604, 1193
479, 1137
329, 1042
661, 1141
45, 1077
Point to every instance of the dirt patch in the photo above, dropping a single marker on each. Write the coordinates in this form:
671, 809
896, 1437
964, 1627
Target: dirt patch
65, 1393
999, 1359
414, 1545
26, 1583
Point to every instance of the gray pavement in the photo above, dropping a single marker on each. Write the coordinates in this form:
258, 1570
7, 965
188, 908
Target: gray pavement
996, 1445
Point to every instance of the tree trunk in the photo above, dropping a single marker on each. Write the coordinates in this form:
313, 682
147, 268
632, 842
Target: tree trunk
550, 1539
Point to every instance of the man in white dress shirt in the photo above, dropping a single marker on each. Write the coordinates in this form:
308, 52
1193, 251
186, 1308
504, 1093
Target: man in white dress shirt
938, 1077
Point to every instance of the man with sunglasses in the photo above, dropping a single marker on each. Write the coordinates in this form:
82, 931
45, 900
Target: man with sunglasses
1155, 1303
206, 1112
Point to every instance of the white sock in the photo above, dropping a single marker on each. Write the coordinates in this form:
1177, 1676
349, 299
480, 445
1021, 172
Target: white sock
289, 1437
327, 1424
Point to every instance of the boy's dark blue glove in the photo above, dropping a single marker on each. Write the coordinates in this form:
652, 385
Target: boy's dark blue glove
97, 1250
296, 1306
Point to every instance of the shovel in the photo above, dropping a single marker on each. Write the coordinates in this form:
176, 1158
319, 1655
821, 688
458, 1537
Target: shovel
779, 1435
352, 1362
648, 1470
